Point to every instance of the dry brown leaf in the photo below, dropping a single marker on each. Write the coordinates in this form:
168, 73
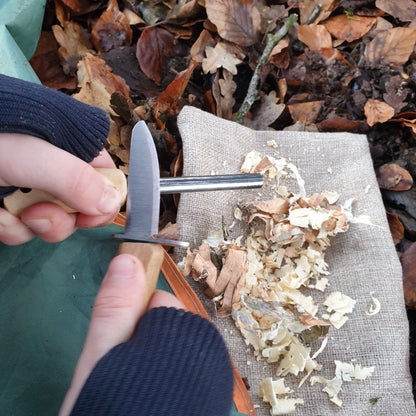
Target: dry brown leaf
315, 37
409, 276
337, 123
349, 28
112, 29
74, 44
396, 227
220, 57
305, 112
198, 48
168, 100
268, 111
308, 7
393, 46
154, 47
377, 112
227, 89
236, 21
404, 10
280, 55
96, 83
394, 178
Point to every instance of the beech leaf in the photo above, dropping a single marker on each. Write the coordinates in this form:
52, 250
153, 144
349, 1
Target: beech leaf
404, 10
377, 112
236, 21
394, 178
349, 28
154, 47
393, 46
315, 37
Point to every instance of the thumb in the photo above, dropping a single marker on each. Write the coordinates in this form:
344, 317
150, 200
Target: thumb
27, 161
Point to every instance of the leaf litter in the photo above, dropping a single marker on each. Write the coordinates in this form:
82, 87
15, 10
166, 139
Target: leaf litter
338, 66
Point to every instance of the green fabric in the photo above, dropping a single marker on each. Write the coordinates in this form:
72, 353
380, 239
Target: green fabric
46, 296
20, 27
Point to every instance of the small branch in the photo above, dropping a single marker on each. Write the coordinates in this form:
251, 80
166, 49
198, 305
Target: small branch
252, 92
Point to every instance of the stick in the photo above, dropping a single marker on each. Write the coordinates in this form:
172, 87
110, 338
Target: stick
252, 92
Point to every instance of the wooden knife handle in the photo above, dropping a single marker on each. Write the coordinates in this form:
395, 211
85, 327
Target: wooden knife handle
19, 200
151, 256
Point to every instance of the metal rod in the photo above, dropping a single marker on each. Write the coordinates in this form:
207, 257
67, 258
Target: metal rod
210, 183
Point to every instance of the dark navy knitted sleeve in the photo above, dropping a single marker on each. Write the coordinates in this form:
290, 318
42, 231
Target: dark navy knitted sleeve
67, 123
176, 364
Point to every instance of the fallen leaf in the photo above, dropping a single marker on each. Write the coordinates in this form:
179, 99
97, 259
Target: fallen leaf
396, 93
396, 227
315, 36
349, 28
377, 112
111, 30
393, 46
74, 44
168, 99
408, 261
198, 48
404, 10
280, 56
154, 47
268, 111
305, 112
336, 123
227, 89
97, 83
394, 178
236, 21
315, 10
219, 57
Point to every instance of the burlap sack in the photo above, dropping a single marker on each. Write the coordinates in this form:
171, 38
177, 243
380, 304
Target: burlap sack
363, 262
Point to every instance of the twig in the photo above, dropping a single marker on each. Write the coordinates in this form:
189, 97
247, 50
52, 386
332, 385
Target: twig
252, 92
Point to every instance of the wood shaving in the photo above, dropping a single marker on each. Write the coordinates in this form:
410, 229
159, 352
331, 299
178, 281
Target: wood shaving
267, 279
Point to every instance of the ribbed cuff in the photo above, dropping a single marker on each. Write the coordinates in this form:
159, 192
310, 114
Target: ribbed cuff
67, 123
175, 364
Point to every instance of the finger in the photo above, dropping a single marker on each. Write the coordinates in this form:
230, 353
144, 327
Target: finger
12, 230
49, 221
117, 309
57, 172
103, 160
162, 298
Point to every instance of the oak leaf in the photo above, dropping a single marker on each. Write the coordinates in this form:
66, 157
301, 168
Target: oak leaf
393, 46
111, 30
349, 28
227, 89
268, 111
236, 21
154, 47
219, 57
377, 112
315, 36
96, 83
73, 44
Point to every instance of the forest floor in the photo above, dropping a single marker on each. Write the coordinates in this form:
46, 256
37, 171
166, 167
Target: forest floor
302, 65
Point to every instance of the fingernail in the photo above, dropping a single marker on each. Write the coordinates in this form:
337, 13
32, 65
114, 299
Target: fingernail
122, 266
110, 200
39, 226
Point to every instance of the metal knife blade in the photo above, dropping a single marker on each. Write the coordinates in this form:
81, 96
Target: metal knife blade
143, 191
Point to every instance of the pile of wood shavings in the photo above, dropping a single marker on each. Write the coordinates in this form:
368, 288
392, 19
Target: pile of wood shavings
261, 281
